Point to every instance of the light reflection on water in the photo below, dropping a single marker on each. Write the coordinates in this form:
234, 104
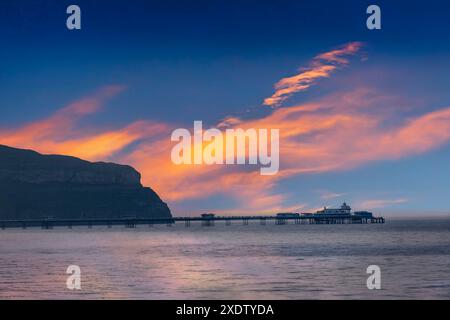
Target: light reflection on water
229, 262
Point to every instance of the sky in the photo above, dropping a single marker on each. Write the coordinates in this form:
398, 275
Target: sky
364, 115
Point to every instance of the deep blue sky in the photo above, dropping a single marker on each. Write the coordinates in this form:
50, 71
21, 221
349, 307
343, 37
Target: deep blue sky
187, 60
181, 43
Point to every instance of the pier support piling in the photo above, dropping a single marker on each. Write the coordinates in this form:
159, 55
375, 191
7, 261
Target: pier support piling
130, 224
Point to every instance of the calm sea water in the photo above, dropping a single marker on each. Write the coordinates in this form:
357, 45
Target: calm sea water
229, 262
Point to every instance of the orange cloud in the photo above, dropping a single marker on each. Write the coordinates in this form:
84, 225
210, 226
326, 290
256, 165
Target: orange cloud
59, 134
228, 122
321, 67
61, 123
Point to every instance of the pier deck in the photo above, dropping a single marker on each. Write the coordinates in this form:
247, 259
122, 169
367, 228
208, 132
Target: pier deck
210, 221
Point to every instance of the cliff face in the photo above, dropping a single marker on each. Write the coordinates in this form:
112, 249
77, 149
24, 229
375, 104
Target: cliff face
33, 185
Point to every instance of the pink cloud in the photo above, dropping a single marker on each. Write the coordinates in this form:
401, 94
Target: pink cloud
381, 203
59, 132
322, 66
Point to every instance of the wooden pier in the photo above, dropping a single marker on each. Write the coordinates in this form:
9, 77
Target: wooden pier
49, 224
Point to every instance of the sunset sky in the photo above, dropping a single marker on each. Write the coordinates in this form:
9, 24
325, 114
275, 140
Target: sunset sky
364, 116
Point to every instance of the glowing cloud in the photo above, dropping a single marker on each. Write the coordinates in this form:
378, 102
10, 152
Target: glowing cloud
321, 67
381, 203
59, 133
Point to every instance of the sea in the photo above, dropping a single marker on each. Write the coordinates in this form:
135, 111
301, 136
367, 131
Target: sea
229, 262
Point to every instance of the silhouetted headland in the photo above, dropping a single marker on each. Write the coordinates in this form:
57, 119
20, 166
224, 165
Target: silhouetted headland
37, 186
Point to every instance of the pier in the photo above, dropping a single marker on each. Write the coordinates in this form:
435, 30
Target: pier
205, 221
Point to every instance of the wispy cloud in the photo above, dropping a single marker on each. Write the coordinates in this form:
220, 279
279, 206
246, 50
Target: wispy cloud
229, 122
322, 66
331, 195
380, 203
60, 133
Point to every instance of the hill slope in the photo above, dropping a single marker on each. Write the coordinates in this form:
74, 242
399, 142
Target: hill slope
33, 185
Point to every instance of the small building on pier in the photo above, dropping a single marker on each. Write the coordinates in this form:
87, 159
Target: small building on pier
343, 212
344, 209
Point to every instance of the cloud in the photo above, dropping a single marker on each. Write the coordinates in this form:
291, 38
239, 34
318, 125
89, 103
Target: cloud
322, 66
228, 122
60, 133
381, 203
331, 195
335, 134
62, 121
